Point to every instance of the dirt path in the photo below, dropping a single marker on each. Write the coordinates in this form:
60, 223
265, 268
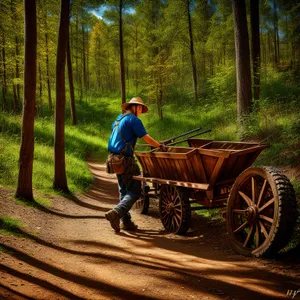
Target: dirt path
70, 252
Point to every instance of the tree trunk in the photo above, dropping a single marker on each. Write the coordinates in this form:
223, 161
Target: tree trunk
83, 57
16, 87
17, 72
122, 69
160, 99
193, 60
256, 60
275, 32
47, 61
4, 87
71, 85
243, 71
87, 63
41, 91
60, 178
24, 188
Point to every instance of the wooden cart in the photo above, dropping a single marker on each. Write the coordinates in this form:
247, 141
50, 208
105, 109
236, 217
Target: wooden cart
261, 202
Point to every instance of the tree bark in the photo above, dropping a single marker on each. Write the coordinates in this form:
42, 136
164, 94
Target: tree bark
24, 188
47, 60
192, 52
122, 69
60, 178
41, 91
16, 87
83, 57
276, 58
243, 71
71, 85
4, 87
256, 60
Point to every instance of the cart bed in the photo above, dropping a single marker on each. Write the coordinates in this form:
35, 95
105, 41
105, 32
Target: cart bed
211, 163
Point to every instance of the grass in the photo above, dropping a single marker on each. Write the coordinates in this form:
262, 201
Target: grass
9, 226
275, 120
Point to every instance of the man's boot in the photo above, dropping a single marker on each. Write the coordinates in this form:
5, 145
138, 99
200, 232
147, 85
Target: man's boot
113, 217
129, 225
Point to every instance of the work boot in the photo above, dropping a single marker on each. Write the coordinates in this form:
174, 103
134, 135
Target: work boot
113, 217
129, 225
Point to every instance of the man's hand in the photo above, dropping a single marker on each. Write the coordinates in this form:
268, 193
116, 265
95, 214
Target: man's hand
163, 147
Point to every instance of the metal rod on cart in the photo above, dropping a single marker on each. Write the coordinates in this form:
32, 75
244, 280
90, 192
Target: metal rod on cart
171, 140
178, 142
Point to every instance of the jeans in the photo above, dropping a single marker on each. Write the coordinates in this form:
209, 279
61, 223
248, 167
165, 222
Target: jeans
129, 193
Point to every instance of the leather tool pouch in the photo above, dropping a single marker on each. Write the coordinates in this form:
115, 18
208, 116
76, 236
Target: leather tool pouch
116, 163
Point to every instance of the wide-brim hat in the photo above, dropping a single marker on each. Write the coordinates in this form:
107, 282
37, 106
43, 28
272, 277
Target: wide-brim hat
136, 101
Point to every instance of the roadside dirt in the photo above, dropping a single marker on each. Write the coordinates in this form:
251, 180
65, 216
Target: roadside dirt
69, 251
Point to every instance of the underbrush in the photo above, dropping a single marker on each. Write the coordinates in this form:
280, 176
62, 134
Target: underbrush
275, 120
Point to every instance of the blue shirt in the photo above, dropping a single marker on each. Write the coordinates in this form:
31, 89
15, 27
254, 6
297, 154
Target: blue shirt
131, 128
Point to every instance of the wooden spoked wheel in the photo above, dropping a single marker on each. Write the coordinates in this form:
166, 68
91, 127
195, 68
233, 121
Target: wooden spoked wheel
261, 212
142, 204
175, 209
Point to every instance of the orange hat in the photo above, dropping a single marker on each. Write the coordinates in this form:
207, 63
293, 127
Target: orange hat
135, 100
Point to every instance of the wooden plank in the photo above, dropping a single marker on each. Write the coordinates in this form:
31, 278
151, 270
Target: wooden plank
151, 166
215, 153
240, 165
174, 169
157, 167
230, 165
194, 142
209, 163
251, 149
165, 168
194, 185
216, 172
191, 169
184, 170
178, 168
199, 168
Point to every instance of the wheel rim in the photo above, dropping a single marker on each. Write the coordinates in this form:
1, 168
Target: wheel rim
171, 208
253, 213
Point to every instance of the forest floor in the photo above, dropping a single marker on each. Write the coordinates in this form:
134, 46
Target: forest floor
69, 251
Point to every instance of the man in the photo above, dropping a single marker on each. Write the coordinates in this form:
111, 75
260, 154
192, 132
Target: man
125, 131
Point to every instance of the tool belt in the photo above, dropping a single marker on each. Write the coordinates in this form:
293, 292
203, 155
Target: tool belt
116, 163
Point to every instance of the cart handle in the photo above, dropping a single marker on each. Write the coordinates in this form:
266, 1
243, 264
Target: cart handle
171, 140
178, 142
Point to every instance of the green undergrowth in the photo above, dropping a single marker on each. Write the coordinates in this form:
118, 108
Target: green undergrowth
10, 226
275, 120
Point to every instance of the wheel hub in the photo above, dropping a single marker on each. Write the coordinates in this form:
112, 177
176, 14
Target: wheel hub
170, 207
252, 214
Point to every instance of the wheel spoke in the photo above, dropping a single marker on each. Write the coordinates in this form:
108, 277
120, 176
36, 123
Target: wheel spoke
270, 220
262, 192
177, 199
241, 227
253, 184
168, 223
165, 215
239, 211
246, 198
248, 236
177, 221
267, 204
171, 193
263, 229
